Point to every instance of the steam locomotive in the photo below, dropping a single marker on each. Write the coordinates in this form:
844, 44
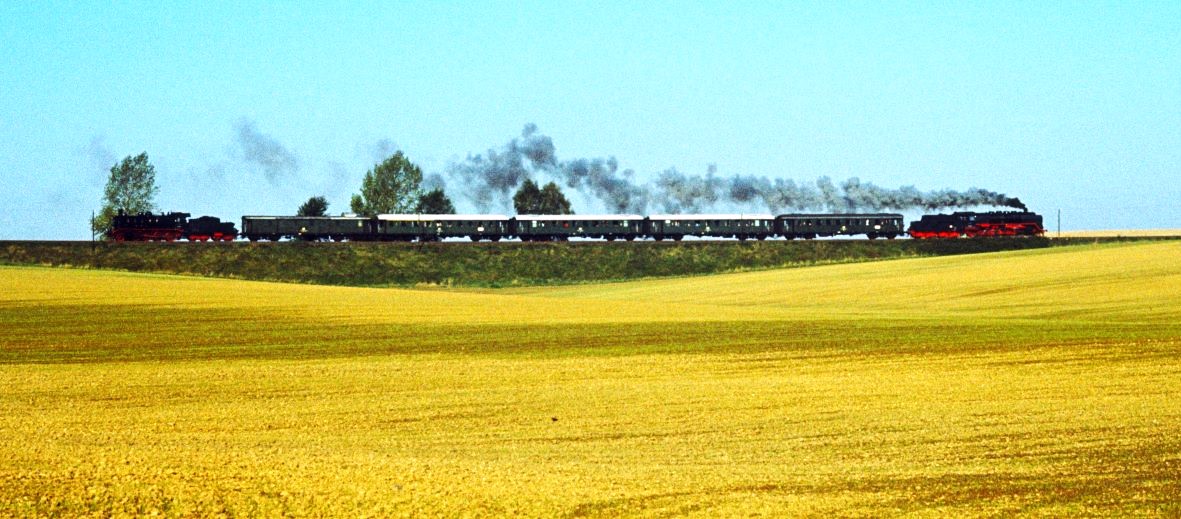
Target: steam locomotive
977, 225
658, 227
169, 227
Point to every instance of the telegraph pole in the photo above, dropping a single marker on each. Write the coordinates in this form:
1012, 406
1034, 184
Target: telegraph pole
1059, 222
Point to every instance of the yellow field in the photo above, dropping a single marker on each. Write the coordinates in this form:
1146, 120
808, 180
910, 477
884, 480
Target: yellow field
1040, 382
1113, 233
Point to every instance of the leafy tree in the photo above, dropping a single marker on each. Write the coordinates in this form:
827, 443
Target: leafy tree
390, 187
130, 189
434, 202
315, 206
527, 199
553, 201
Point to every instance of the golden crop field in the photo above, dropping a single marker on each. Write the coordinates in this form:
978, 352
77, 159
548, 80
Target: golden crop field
1116, 233
1038, 382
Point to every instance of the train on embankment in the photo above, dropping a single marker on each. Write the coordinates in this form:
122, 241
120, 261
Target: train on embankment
610, 227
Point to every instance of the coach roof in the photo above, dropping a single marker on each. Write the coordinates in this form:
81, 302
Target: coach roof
441, 217
757, 216
579, 217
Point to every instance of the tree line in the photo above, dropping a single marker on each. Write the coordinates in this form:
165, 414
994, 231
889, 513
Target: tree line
392, 186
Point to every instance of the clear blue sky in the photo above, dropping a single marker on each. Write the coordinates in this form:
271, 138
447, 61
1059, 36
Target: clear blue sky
1067, 105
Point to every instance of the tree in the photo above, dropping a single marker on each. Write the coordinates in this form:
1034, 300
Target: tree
547, 200
131, 189
553, 201
315, 206
390, 187
527, 199
434, 202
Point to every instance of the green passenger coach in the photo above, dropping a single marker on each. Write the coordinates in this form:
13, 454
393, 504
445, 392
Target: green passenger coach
808, 226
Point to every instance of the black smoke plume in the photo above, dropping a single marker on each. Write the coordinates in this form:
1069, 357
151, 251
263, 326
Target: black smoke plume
277, 163
490, 180
101, 159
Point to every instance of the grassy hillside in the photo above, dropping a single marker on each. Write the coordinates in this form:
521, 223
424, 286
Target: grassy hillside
466, 264
1039, 382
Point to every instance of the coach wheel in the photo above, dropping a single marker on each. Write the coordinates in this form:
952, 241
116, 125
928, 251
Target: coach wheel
872, 236
631, 238
762, 237
677, 237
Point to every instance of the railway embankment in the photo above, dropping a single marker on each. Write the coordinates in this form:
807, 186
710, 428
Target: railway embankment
482, 264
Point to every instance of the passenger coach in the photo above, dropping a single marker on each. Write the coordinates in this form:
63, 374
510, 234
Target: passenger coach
741, 226
312, 228
435, 227
562, 227
808, 226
